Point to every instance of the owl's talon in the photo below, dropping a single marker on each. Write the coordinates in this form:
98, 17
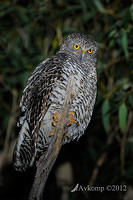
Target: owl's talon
69, 124
55, 117
71, 119
51, 134
71, 113
54, 123
67, 135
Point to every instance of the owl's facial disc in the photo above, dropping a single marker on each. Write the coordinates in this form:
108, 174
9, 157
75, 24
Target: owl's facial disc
81, 46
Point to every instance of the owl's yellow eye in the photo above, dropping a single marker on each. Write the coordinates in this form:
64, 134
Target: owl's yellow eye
90, 50
76, 46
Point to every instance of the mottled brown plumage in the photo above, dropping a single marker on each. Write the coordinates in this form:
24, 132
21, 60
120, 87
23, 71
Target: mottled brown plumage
44, 97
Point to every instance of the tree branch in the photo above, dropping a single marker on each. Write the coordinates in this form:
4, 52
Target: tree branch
46, 161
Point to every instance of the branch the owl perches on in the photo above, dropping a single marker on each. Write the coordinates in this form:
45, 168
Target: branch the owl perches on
46, 161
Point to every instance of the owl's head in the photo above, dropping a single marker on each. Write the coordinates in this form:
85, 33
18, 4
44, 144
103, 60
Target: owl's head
82, 46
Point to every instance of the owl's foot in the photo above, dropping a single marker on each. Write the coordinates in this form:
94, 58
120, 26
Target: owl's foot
54, 123
55, 117
67, 135
71, 121
52, 133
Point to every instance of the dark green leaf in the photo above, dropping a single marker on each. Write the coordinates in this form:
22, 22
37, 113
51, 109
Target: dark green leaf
131, 11
125, 43
122, 116
106, 115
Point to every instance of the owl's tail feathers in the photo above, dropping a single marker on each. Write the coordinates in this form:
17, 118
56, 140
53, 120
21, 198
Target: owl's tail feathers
24, 155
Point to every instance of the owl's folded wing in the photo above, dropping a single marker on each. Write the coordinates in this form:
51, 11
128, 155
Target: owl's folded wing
35, 103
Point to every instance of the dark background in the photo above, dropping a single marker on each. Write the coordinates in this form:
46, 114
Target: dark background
31, 31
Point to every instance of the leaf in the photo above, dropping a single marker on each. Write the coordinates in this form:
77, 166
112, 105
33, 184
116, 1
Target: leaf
131, 11
130, 139
112, 33
125, 43
99, 5
111, 43
122, 112
106, 115
130, 99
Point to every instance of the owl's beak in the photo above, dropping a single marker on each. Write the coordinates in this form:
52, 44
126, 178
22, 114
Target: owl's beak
83, 54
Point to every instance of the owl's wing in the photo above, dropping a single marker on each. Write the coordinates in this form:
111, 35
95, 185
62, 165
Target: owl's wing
35, 103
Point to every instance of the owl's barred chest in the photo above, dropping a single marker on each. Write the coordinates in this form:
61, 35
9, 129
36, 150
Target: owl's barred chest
81, 83
82, 105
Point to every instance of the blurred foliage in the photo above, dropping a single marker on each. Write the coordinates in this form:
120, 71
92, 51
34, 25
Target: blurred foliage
30, 31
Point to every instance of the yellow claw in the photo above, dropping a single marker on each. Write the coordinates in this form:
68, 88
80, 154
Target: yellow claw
51, 134
54, 123
71, 113
69, 124
71, 119
55, 117
67, 135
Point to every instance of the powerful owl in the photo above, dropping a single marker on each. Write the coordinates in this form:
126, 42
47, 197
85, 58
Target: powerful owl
45, 93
